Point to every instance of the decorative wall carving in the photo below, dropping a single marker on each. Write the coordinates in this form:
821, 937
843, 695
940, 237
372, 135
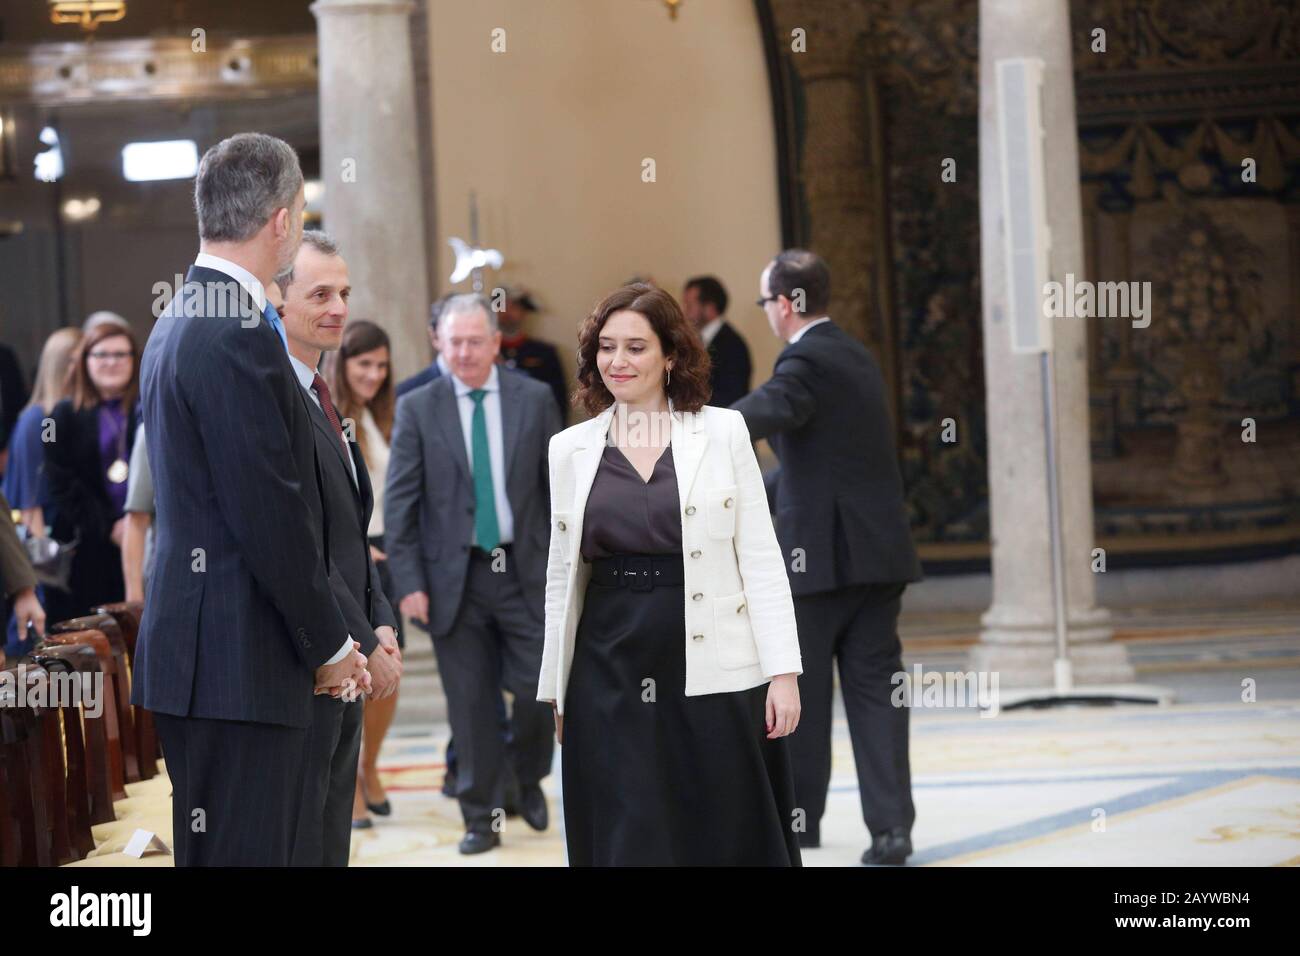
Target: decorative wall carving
1183, 93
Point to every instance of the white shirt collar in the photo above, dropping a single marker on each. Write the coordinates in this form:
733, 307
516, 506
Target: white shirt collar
708, 331
798, 335
491, 385
442, 364
252, 285
306, 374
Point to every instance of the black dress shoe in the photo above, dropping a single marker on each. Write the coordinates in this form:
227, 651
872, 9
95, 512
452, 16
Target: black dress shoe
532, 807
449, 784
380, 809
890, 848
479, 841
363, 823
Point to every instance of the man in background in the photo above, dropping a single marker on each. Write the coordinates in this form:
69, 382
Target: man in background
841, 520
531, 356
467, 524
704, 303
437, 366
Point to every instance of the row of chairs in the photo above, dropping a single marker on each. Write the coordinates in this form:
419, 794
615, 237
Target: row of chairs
63, 764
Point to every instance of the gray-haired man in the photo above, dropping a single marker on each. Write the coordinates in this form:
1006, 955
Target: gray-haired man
467, 513
240, 624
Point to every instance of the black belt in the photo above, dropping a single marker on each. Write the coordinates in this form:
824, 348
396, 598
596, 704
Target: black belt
640, 572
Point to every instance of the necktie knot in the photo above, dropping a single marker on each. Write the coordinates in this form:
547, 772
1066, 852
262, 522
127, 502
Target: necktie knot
478, 394
320, 388
327, 406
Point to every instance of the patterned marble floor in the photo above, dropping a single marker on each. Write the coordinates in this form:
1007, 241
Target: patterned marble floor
1210, 780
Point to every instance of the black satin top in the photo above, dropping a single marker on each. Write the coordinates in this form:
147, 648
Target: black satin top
626, 515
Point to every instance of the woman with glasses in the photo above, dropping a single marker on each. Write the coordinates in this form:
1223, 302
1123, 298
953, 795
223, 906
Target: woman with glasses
86, 465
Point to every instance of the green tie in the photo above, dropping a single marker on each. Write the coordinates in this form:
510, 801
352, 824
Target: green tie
485, 499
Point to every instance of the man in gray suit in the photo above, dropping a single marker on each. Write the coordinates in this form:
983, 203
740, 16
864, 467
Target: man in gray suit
467, 519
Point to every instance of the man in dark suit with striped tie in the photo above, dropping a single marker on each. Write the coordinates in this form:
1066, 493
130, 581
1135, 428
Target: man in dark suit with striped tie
240, 625
316, 292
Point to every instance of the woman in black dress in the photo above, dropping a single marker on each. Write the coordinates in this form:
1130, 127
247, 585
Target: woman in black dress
671, 651
86, 464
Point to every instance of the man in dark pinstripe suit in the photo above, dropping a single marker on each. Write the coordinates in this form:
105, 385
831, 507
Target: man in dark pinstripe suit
240, 624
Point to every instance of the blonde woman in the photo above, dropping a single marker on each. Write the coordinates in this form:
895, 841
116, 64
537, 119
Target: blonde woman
671, 656
24, 483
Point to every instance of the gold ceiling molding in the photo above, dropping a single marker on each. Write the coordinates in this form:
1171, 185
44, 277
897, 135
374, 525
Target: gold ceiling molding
151, 69
87, 14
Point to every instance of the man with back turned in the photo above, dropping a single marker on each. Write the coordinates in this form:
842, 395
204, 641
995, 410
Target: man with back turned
240, 625
842, 526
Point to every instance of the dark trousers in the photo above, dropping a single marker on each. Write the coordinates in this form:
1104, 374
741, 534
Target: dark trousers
495, 642
236, 789
858, 626
325, 822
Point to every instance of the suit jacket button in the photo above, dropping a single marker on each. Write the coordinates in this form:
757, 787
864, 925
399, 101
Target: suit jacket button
727, 503
696, 597
561, 525
695, 554
697, 637
690, 509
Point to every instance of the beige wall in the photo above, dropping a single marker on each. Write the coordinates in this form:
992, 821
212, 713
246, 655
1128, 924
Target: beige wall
552, 134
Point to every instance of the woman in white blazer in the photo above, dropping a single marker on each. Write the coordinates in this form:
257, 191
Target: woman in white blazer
671, 655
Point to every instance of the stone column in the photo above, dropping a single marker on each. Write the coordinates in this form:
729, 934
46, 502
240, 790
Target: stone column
374, 204
1018, 637
835, 161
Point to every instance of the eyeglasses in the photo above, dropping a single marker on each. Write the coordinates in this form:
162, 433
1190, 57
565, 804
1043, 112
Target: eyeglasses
766, 299
111, 356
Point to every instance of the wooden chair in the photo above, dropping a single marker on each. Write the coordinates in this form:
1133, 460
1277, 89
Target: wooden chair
27, 839
103, 744
107, 625
61, 659
128, 615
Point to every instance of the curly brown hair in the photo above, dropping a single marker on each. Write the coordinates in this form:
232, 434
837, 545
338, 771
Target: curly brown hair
688, 387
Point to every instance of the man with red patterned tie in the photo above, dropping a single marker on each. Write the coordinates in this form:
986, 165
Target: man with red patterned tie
316, 291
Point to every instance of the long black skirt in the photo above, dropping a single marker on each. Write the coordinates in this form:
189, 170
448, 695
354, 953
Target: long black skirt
653, 777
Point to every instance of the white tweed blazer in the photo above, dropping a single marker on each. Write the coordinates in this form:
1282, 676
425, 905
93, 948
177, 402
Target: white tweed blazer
738, 614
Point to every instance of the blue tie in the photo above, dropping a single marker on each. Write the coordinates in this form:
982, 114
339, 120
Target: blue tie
273, 318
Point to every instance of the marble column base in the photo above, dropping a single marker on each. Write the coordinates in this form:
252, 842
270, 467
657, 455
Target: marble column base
1021, 647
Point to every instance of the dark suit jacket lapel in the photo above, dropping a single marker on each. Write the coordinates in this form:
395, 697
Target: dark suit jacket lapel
511, 412
365, 493
325, 428
446, 414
